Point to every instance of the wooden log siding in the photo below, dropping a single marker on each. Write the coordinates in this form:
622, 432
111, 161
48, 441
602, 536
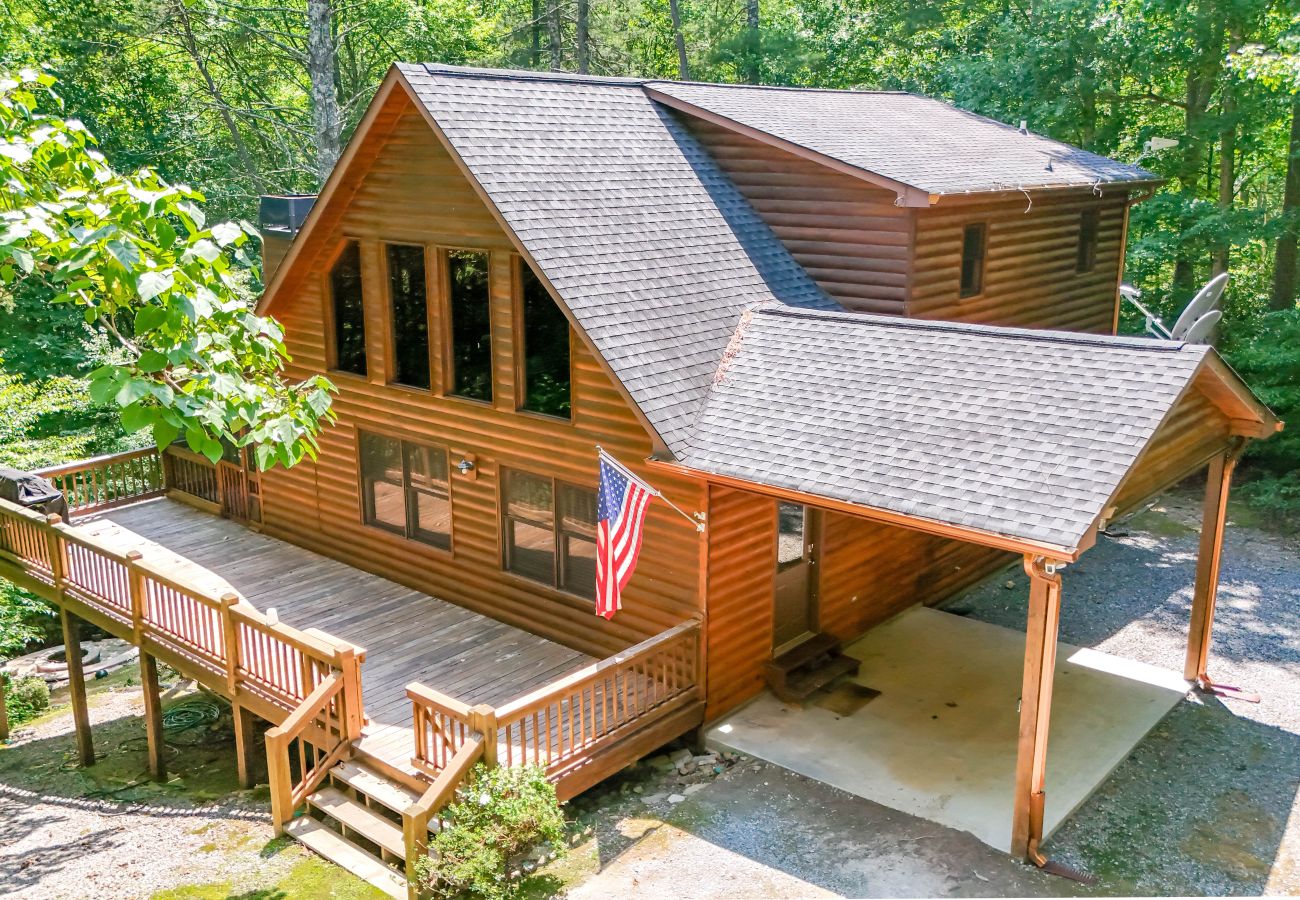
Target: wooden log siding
848, 234
413, 192
1029, 276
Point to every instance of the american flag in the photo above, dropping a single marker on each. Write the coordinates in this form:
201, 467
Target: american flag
620, 512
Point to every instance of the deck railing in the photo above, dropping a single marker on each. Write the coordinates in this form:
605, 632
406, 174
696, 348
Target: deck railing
107, 481
570, 720
320, 733
222, 641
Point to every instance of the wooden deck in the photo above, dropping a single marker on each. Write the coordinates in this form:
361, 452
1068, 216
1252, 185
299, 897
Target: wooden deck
408, 636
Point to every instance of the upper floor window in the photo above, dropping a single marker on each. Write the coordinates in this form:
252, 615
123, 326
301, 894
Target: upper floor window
471, 324
1089, 221
405, 488
545, 354
973, 240
348, 311
408, 303
550, 531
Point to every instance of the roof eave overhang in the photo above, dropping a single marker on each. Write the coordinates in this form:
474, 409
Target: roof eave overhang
1145, 186
935, 527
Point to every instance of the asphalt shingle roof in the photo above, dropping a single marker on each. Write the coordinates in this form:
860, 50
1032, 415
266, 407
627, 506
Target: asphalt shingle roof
918, 141
649, 244
1021, 433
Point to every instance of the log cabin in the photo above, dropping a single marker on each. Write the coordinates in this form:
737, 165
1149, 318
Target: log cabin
869, 339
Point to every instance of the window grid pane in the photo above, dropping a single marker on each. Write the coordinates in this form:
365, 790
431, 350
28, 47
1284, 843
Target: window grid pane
406, 489
546, 349
407, 291
471, 327
348, 311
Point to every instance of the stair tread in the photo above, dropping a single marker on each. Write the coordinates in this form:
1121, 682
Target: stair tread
342, 852
805, 683
815, 646
359, 818
369, 782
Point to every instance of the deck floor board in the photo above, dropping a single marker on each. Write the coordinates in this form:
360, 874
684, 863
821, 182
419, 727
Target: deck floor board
407, 635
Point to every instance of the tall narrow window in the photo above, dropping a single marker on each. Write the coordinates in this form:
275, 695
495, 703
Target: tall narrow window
348, 309
1089, 220
973, 239
471, 328
546, 349
405, 488
550, 531
408, 299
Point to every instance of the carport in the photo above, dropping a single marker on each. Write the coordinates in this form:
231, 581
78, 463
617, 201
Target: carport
1003, 440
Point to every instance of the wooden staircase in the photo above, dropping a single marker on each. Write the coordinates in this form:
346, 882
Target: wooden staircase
354, 819
800, 671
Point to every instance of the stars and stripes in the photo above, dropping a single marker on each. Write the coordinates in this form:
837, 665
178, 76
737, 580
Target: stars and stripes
620, 512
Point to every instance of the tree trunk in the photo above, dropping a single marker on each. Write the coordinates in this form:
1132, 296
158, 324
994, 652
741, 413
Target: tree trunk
683, 70
535, 51
581, 36
1227, 163
1284, 263
555, 33
321, 65
752, 60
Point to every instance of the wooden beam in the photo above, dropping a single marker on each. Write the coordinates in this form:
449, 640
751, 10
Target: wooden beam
4, 713
1035, 709
77, 687
153, 723
245, 743
1213, 517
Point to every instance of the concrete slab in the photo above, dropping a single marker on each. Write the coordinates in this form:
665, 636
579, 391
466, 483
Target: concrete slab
940, 740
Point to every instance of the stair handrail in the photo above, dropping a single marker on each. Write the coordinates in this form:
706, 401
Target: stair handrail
417, 816
312, 725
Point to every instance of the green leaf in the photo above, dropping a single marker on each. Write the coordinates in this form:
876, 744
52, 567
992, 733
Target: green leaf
211, 449
149, 318
136, 417
226, 232
103, 390
151, 284
152, 361
132, 389
164, 433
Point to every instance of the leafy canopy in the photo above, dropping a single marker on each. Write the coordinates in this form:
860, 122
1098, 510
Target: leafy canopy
137, 256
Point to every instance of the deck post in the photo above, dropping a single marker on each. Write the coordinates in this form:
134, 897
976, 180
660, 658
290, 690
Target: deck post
483, 719
1035, 709
77, 686
230, 637
1208, 557
349, 662
245, 742
4, 713
135, 579
153, 721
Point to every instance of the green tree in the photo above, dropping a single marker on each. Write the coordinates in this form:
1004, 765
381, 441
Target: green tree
135, 254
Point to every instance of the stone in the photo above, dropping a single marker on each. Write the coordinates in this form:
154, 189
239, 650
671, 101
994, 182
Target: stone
662, 763
680, 756
687, 767
692, 788
676, 798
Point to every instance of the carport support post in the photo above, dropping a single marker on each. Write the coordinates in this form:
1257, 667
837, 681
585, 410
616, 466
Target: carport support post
1213, 516
1035, 709
77, 686
153, 722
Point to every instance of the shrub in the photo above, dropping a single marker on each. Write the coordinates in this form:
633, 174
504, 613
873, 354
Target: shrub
25, 698
499, 816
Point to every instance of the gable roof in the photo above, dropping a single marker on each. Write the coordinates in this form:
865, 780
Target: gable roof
908, 140
1020, 433
650, 246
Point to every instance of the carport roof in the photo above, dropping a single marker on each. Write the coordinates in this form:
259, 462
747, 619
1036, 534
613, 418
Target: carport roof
1026, 434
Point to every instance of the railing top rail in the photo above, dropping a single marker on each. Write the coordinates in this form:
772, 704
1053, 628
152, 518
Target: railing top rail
94, 461
443, 789
329, 650
187, 453
305, 712
424, 694
71, 535
22, 512
596, 670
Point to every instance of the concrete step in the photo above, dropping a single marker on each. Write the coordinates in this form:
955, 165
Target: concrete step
366, 780
359, 818
339, 850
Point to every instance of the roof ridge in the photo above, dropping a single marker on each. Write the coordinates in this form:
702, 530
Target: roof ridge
795, 88
1131, 342
526, 75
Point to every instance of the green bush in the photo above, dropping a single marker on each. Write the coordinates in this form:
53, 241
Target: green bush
500, 815
25, 698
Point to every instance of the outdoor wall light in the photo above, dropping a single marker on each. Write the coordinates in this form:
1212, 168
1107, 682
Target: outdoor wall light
465, 466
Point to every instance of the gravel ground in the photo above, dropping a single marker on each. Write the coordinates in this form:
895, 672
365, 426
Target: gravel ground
1207, 802
106, 832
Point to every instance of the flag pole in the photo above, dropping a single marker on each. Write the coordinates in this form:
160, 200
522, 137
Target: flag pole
694, 520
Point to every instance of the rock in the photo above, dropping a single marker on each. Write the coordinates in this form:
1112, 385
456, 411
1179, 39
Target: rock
654, 798
680, 756
707, 759
692, 788
1010, 585
687, 767
676, 798
661, 763
638, 790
